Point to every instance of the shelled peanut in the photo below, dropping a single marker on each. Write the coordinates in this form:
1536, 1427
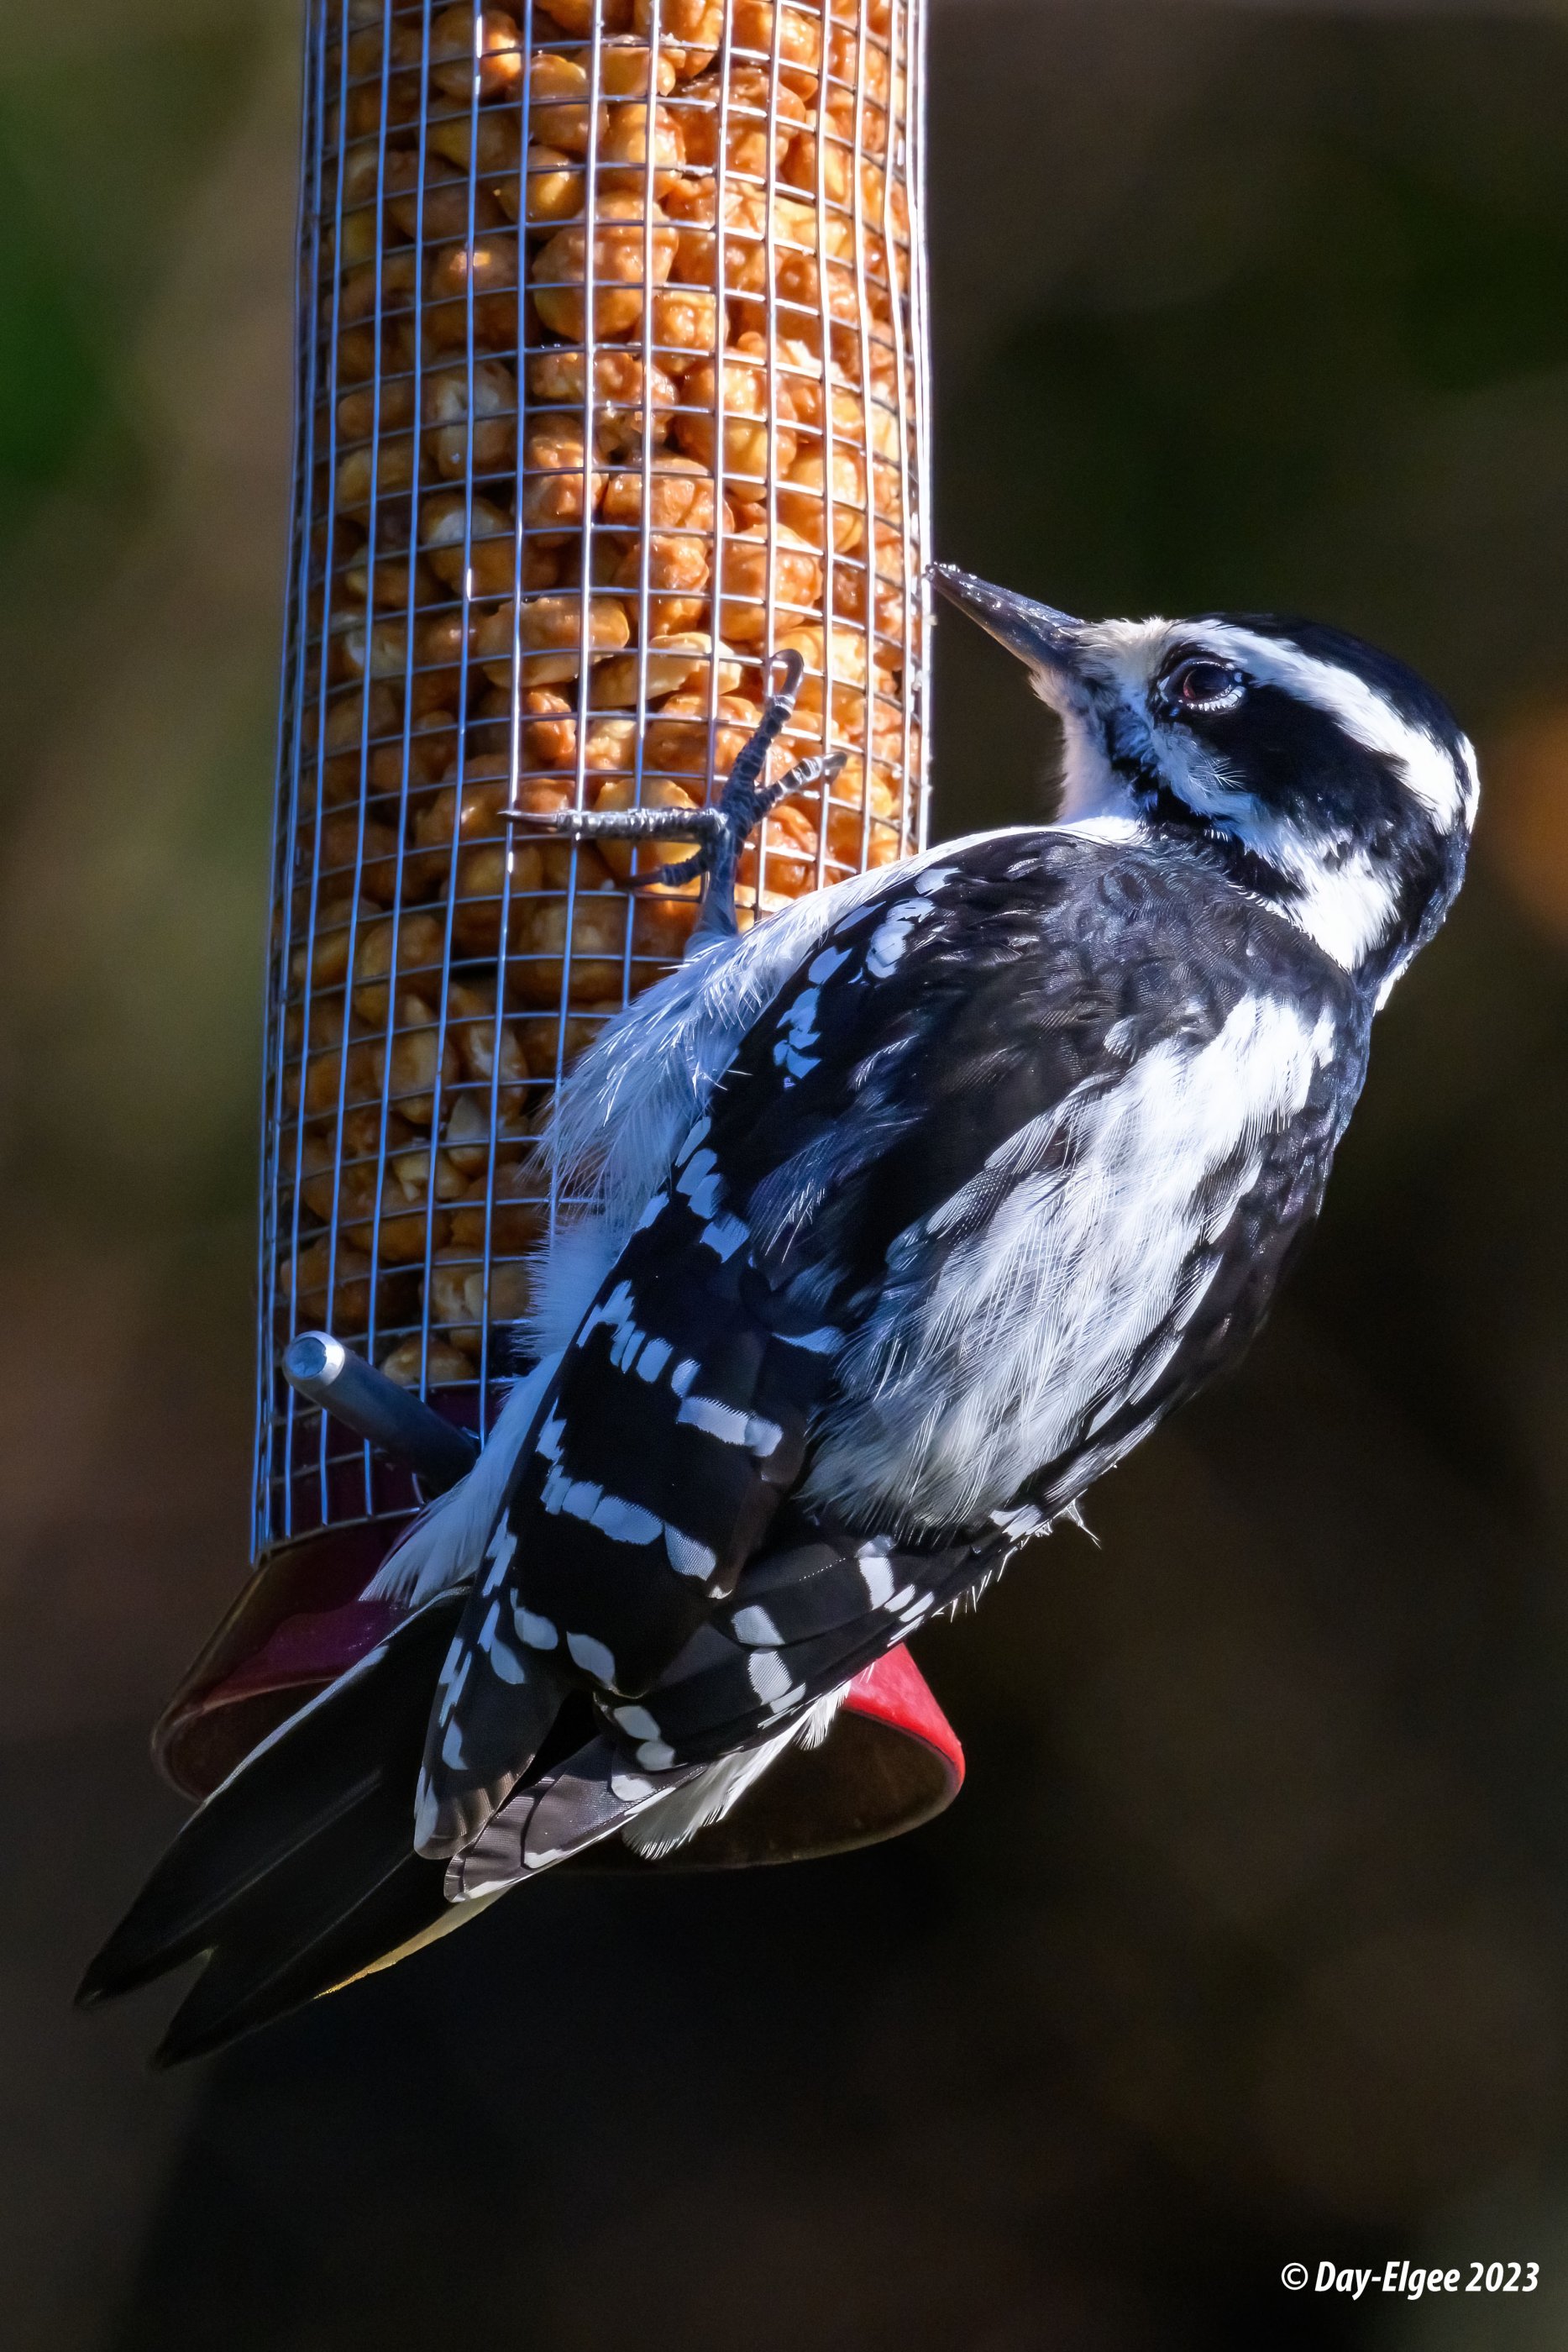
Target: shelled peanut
616, 400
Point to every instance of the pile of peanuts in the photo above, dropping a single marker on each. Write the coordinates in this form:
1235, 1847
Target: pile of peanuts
615, 399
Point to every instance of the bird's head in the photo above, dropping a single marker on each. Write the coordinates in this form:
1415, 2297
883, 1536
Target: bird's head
1323, 775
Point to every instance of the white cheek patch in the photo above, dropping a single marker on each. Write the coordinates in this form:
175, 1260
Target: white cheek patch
1343, 902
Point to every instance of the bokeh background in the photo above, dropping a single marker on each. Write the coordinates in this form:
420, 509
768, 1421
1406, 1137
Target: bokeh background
1248, 1940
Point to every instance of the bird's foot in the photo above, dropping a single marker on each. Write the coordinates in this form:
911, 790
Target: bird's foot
722, 832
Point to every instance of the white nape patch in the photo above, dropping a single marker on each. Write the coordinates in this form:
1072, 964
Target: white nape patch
674, 1819
958, 1388
687, 1557
446, 1543
593, 1657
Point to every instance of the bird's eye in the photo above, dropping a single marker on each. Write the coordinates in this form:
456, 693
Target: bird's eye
1201, 684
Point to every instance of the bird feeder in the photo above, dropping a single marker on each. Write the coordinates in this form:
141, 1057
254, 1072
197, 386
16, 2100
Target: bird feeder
612, 388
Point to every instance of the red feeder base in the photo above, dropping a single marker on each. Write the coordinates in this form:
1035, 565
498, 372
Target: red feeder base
891, 1762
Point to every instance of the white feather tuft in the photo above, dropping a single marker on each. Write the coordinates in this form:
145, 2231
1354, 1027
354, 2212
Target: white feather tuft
676, 1819
446, 1543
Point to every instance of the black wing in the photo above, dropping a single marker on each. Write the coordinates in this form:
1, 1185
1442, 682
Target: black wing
655, 1533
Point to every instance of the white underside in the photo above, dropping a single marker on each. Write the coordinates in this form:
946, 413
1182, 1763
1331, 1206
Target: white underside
1015, 1345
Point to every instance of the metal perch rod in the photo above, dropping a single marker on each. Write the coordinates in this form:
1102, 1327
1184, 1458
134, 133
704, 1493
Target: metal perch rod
321, 1370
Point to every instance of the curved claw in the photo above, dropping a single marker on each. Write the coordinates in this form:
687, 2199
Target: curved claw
720, 833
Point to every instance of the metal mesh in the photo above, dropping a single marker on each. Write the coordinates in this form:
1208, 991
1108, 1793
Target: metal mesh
612, 382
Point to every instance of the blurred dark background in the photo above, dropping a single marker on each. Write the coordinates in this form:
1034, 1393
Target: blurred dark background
1248, 1940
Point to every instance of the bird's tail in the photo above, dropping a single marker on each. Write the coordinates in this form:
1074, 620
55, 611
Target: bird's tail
300, 1872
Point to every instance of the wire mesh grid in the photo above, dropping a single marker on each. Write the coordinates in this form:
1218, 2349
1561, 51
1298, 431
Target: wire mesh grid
613, 383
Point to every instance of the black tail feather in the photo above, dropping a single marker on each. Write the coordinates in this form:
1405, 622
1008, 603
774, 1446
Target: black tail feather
299, 1871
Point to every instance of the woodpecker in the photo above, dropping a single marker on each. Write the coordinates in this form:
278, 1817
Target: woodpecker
906, 1214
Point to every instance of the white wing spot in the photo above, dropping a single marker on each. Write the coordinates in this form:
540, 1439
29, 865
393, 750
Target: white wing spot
714, 1420
687, 1557
755, 1629
653, 1210
636, 1722
877, 1578
625, 1522
725, 1235
592, 1657
694, 1136
892, 936
768, 1674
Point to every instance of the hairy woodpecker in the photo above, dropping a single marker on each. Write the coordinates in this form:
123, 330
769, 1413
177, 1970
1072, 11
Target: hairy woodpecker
905, 1214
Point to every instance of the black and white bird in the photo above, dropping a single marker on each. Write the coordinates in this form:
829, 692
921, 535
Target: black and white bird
903, 1216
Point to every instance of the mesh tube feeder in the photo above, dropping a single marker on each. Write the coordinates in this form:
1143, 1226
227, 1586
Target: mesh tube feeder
612, 390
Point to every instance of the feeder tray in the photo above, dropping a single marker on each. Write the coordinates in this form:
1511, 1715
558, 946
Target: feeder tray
890, 1762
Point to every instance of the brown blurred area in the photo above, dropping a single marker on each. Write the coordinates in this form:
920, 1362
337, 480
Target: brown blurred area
1248, 1940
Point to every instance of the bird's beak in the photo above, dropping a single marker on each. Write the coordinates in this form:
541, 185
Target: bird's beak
1050, 642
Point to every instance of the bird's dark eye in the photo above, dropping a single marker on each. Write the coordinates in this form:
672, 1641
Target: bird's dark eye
1201, 684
